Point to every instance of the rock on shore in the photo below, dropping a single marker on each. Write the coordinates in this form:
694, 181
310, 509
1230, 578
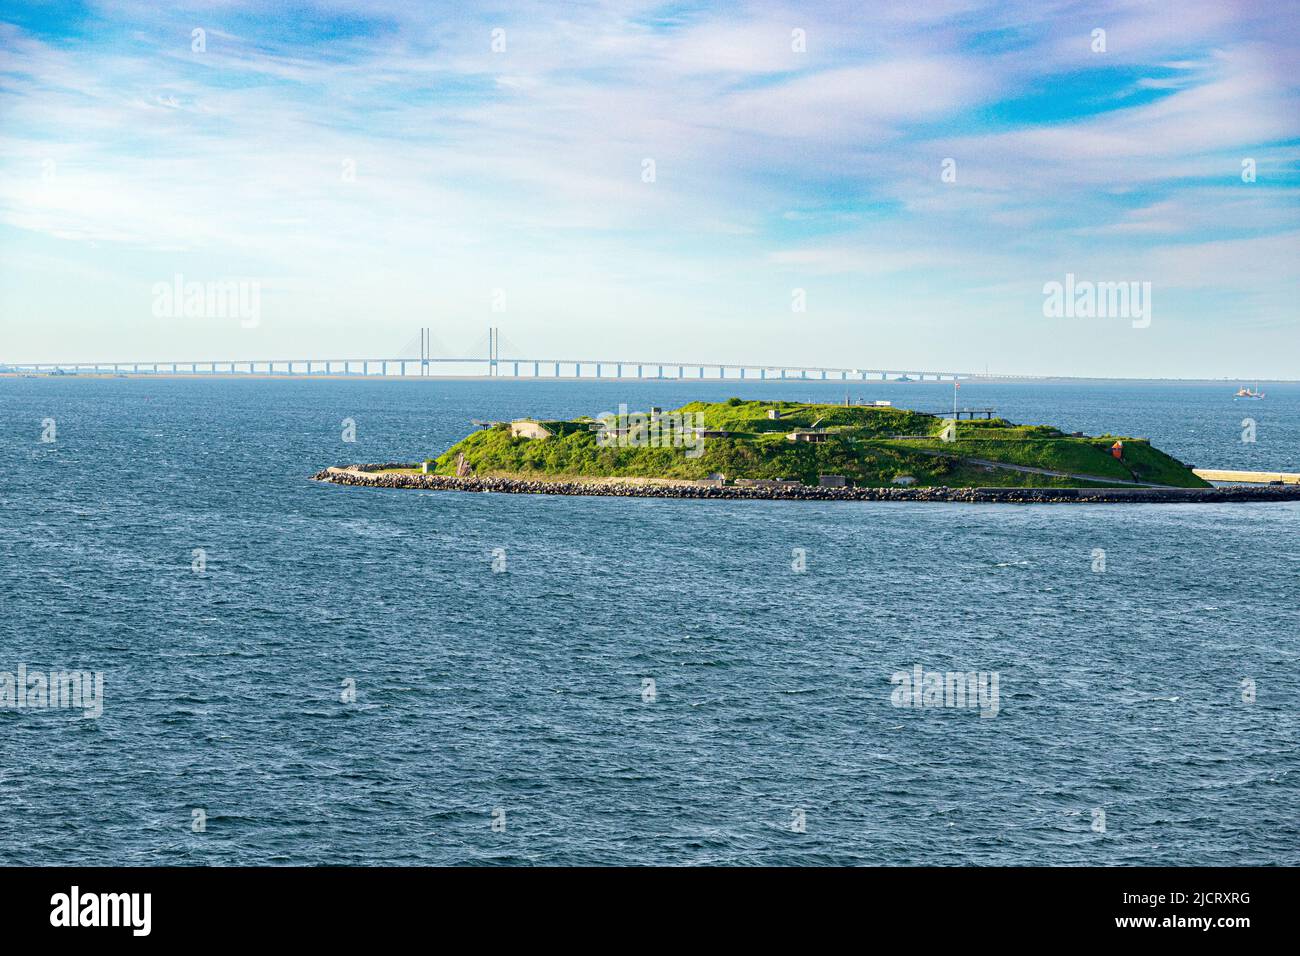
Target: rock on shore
368, 476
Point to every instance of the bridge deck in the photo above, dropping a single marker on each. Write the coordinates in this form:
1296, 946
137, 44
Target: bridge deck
522, 368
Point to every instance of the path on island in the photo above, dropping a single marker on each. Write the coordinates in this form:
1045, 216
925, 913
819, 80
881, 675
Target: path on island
1030, 470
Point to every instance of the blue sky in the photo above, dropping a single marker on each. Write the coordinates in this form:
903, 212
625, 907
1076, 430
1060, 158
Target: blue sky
127, 157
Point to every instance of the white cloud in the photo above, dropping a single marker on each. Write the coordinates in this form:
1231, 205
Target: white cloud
523, 169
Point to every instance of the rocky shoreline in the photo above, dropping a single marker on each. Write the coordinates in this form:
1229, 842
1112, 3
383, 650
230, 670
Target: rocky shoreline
365, 475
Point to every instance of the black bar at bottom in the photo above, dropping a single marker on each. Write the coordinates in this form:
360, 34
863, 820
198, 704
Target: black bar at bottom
333, 906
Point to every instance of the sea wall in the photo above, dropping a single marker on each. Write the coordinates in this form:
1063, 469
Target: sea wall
364, 475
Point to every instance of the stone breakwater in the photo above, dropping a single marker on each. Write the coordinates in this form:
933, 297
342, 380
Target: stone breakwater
365, 475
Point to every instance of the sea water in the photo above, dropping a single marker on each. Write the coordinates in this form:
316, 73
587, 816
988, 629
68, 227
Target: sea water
298, 673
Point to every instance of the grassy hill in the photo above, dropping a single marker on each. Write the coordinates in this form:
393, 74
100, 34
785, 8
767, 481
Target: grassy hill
868, 445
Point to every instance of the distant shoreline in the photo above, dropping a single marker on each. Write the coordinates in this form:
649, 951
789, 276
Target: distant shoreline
369, 476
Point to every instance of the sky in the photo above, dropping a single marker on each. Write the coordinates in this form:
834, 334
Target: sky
860, 184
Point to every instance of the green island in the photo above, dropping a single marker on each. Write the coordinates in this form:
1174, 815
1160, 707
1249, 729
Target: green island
739, 442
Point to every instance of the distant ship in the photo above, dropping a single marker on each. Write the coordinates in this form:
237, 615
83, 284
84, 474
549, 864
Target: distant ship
1246, 393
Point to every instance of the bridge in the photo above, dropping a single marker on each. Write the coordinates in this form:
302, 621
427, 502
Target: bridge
427, 364
521, 368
